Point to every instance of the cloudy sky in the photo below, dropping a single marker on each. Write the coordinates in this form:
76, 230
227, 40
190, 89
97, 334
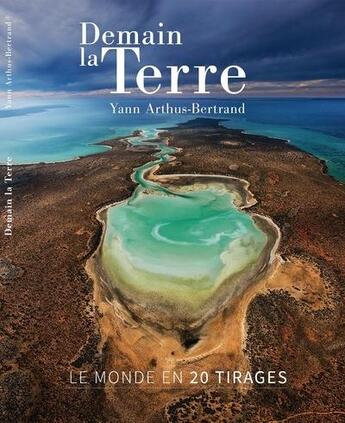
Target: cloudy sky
285, 47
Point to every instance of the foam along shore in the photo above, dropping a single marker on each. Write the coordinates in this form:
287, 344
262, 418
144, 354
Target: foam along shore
175, 260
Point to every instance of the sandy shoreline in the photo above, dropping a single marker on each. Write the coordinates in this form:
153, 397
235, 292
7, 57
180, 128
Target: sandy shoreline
94, 264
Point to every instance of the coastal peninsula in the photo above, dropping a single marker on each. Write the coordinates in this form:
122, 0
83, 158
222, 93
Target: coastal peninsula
57, 317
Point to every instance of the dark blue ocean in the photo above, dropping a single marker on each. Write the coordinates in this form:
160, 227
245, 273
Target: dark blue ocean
48, 130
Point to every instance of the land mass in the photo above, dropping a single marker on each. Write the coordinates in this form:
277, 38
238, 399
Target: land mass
54, 317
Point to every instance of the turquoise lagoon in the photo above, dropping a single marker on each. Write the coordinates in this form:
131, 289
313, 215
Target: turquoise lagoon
173, 245
177, 245
179, 248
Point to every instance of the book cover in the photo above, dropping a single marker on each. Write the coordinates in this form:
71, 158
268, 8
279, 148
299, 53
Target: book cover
172, 211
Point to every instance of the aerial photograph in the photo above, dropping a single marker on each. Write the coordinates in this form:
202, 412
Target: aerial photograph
172, 243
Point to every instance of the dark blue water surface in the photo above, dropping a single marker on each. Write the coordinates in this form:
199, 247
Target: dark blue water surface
62, 129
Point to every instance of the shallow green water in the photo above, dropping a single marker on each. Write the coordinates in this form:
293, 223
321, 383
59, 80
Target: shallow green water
179, 245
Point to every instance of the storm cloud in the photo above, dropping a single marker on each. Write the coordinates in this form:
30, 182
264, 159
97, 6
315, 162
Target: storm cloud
273, 40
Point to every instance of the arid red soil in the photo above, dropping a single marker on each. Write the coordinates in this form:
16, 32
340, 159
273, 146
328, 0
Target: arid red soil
49, 322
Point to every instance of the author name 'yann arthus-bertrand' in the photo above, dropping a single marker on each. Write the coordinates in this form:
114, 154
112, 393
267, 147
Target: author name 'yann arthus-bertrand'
166, 108
121, 44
